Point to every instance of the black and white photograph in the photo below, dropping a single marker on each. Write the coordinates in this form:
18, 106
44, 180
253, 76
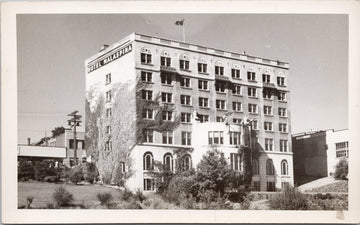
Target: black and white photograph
154, 115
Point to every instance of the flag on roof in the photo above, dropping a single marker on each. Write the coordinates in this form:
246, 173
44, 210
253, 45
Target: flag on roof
180, 22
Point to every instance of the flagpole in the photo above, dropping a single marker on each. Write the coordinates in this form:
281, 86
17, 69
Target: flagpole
184, 33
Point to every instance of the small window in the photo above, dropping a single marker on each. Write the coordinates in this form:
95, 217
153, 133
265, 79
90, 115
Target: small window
283, 145
168, 137
165, 61
167, 115
219, 119
122, 167
281, 81
203, 118
270, 186
252, 108
204, 102
108, 130
148, 161
145, 58
220, 104
148, 114
108, 78
219, 70
255, 167
237, 106
146, 95
166, 79
146, 76
234, 138
185, 117
282, 96
216, 137
235, 161
220, 86
108, 112
166, 97
148, 136
185, 82
270, 167
251, 76
236, 121
184, 64
203, 85
202, 68
251, 92
282, 112
267, 110
186, 162
266, 78
269, 144
168, 162
236, 90
148, 184
284, 168
254, 124
267, 93
185, 138
108, 96
185, 100
235, 73
268, 126
283, 127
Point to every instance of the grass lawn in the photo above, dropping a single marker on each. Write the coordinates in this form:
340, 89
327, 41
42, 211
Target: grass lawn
42, 193
340, 186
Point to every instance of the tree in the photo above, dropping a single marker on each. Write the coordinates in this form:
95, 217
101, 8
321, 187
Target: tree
57, 131
342, 169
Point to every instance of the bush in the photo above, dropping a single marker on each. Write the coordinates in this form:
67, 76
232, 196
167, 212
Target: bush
62, 197
139, 196
25, 170
180, 184
76, 174
51, 179
29, 201
126, 195
43, 169
335, 203
104, 198
91, 173
290, 199
342, 169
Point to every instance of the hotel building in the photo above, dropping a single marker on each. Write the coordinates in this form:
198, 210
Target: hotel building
200, 95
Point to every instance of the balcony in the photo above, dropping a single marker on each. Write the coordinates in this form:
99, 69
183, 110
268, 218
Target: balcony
168, 69
269, 85
222, 78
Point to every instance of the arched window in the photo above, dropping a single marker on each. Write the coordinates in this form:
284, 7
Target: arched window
168, 162
255, 167
184, 62
284, 168
122, 167
165, 59
187, 162
270, 167
219, 68
148, 161
145, 56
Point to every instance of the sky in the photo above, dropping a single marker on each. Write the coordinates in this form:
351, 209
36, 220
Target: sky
51, 50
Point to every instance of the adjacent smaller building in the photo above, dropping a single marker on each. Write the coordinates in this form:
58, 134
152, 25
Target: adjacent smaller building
316, 153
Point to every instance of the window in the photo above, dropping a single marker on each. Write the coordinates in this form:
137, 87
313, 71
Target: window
235, 161
219, 119
234, 138
252, 108
270, 186
282, 96
148, 136
202, 68
203, 85
204, 102
268, 126
108, 145
122, 167
284, 168
285, 185
108, 112
108, 96
145, 58
255, 167
167, 137
251, 92
185, 100
186, 163
342, 149
166, 97
166, 78
267, 93
251, 76
220, 104
146, 76
184, 64
168, 162
283, 127
148, 161
108, 78
220, 86
146, 95
236, 90
281, 81
108, 130
203, 118
237, 106
216, 137
267, 110
270, 167
185, 117
185, 82
185, 138
148, 184
266, 78
256, 186
219, 70
167, 115
283, 145
235, 73
236, 120
165, 61
269, 144
148, 114
282, 112
254, 124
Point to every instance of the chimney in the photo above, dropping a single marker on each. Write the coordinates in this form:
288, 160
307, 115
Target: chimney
28, 141
103, 47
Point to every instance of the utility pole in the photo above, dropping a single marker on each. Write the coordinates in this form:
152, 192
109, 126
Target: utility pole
73, 123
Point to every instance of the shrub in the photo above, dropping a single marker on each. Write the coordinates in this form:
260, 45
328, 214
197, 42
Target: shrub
29, 201
91, 173
51, 179
62, 197
335, 203
290, 199
180, 184
139, 195
25, 170
43, 169
104, 198
342, 169
126, 195
129, 205
76, 174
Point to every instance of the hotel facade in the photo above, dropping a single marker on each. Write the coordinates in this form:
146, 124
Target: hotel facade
149, 98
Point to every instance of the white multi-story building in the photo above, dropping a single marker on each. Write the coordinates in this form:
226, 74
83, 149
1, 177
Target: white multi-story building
142, 95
